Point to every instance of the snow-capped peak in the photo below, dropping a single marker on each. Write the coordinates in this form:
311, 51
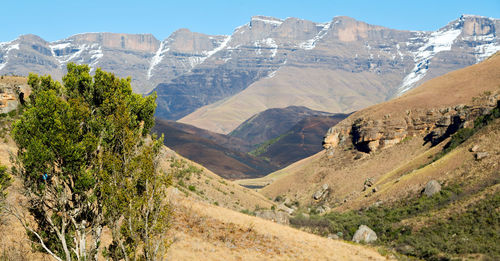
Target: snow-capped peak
465, 16
6, 47
438, 41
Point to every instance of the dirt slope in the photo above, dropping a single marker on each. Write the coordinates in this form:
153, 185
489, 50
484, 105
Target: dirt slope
213, 233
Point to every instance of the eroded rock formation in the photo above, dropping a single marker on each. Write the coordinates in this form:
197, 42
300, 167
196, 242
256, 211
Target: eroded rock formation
369, 134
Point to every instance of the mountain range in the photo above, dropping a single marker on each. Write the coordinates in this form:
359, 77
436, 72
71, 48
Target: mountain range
216, 82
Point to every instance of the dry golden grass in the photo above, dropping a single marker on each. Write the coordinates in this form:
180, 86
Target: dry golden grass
201, 230
264, 181
211, 188
13, 80
207, 232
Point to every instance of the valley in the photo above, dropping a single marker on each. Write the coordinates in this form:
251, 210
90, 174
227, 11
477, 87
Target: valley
286, 140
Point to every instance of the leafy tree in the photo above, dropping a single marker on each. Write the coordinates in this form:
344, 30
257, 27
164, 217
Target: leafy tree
86, 162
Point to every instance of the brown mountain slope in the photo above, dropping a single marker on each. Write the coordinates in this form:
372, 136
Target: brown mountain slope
320, 89
219, 153
395, 134
272, 123
454, 88
299, 142
209, 232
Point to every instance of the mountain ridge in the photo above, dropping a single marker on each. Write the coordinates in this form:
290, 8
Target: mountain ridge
191, 71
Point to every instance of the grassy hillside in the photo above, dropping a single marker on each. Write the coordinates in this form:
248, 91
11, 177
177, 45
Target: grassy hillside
206, 221
383, 188
299, 142
272, 123
222, 154
461, 221
327, 90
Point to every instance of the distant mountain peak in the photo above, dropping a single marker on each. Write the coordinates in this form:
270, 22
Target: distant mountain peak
266, 19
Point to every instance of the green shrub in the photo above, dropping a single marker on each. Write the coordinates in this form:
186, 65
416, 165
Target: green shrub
192, 188
248, 212
463, 134
477, 230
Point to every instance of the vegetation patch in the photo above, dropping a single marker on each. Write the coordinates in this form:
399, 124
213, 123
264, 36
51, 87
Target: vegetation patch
263, 147
476, 230
463, 134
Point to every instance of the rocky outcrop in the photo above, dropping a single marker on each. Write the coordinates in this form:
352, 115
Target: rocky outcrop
322, 192
432, 187
275, 216
481, 155
364, 234
367, 134
12, 93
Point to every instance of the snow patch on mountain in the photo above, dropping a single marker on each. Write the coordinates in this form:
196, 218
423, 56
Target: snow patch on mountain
223, 45
311, 43
486, 50
486, 45
76, 53
60, 46
271, 43
438, 41
96, 55
267, 43
195, 60
157, 57
6, 47
267, 20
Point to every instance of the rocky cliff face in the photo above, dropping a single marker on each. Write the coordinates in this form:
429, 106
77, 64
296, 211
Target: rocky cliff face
190, 70
368, 134
13, 91
344, 65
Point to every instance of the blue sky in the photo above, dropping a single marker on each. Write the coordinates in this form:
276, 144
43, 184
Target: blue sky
58, 19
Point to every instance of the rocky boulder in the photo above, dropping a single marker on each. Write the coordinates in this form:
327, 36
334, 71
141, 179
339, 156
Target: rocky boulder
321, 192
285, 209
474, 148
364, 234
481, 155
368, 183
333, 236
432, 188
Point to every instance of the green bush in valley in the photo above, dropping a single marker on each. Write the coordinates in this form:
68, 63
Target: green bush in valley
477, 230
86, 161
